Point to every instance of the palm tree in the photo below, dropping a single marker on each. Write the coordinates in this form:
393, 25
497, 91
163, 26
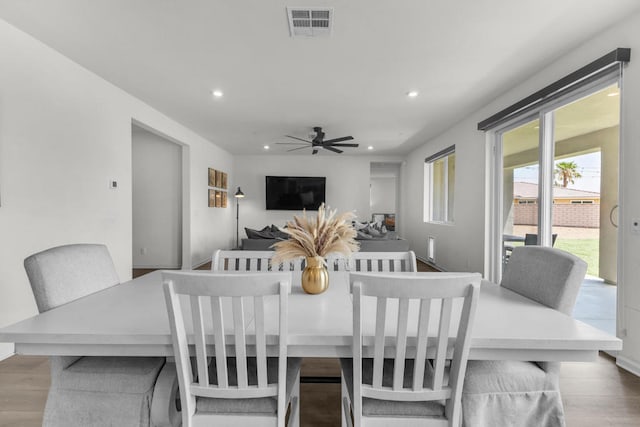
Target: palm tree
567, 173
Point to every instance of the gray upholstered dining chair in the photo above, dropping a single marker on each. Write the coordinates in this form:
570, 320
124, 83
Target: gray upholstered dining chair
517, 393
89, 391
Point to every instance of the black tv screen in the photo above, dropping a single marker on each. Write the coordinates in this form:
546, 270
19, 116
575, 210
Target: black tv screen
294, 193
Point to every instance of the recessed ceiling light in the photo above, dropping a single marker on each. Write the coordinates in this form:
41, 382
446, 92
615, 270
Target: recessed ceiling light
412, 94
370, 147
217, 93
266, 147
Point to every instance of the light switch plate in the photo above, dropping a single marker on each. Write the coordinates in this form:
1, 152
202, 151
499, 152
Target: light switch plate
635, 226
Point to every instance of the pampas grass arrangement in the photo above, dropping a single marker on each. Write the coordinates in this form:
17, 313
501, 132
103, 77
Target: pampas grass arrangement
321, 235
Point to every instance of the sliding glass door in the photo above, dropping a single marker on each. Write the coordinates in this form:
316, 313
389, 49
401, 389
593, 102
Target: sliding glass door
556, 184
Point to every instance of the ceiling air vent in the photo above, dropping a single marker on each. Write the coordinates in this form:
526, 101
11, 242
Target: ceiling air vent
309, 21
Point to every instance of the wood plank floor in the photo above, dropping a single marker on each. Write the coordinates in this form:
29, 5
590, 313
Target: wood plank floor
594, 394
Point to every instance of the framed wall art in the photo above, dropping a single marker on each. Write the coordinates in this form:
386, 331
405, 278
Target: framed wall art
212, 198
212, 177
217, 196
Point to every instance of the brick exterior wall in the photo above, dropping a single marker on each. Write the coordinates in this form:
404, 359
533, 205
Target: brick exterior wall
564, 215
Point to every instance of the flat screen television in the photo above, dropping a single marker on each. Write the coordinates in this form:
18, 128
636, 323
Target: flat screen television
294, 193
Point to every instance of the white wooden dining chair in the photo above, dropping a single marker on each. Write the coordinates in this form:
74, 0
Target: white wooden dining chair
383, 261
241, 386
525, 393
416, 375
223, 260
95, 390
338, 262
241, 260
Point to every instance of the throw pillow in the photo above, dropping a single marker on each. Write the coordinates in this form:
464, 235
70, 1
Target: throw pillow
362, 235
372, 232
360, 225
265, 233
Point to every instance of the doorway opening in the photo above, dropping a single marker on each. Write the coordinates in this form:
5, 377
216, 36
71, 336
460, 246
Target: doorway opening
156, 202
384, 187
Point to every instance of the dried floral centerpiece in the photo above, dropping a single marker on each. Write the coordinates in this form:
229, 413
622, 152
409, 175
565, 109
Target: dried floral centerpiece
315, 238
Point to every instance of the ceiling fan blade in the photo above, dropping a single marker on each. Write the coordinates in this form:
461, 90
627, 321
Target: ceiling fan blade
295, 137
330, 148
299, 148
345, 145
344, 138
314, 151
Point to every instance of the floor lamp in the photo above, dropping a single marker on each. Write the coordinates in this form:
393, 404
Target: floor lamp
239, 195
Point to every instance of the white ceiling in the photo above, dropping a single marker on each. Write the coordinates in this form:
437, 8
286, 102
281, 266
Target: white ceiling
172, 54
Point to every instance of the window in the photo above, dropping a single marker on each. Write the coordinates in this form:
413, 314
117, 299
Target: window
440, 173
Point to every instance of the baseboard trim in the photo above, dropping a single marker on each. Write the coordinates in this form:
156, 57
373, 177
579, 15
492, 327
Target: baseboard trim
7, 350
155, 267
628, 365
430, 264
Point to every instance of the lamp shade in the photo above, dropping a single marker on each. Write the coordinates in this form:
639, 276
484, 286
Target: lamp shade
239, 193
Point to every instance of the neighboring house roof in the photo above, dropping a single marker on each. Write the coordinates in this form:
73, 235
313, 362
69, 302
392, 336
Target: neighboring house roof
527, 190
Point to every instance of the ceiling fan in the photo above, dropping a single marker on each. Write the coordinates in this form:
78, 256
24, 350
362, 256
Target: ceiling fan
318, 141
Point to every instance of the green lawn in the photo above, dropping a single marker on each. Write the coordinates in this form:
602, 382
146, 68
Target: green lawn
587, 249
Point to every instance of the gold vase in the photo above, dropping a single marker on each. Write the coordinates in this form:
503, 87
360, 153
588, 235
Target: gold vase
315, 277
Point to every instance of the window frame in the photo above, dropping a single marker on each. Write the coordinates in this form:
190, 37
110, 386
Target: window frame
429, 193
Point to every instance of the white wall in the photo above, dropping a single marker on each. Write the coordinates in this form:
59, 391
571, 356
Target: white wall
458, 246
347, 186
157, 201
383, 194
64, 134
461, 246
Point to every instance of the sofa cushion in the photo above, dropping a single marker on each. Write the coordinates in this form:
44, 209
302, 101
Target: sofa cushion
268, 232
265, 233
361, 235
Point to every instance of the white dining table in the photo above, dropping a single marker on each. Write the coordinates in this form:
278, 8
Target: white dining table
131, 319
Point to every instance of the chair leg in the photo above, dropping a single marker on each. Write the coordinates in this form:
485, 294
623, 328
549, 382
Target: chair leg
163, 404
294, 415
345, 410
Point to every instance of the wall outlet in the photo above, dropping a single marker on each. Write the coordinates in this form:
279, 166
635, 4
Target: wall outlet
113, 184
635, 226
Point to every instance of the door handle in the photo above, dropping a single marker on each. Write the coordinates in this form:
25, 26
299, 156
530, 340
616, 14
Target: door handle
611, 216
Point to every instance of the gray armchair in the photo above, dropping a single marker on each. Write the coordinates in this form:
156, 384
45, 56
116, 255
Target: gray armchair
89, 391
515, 393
